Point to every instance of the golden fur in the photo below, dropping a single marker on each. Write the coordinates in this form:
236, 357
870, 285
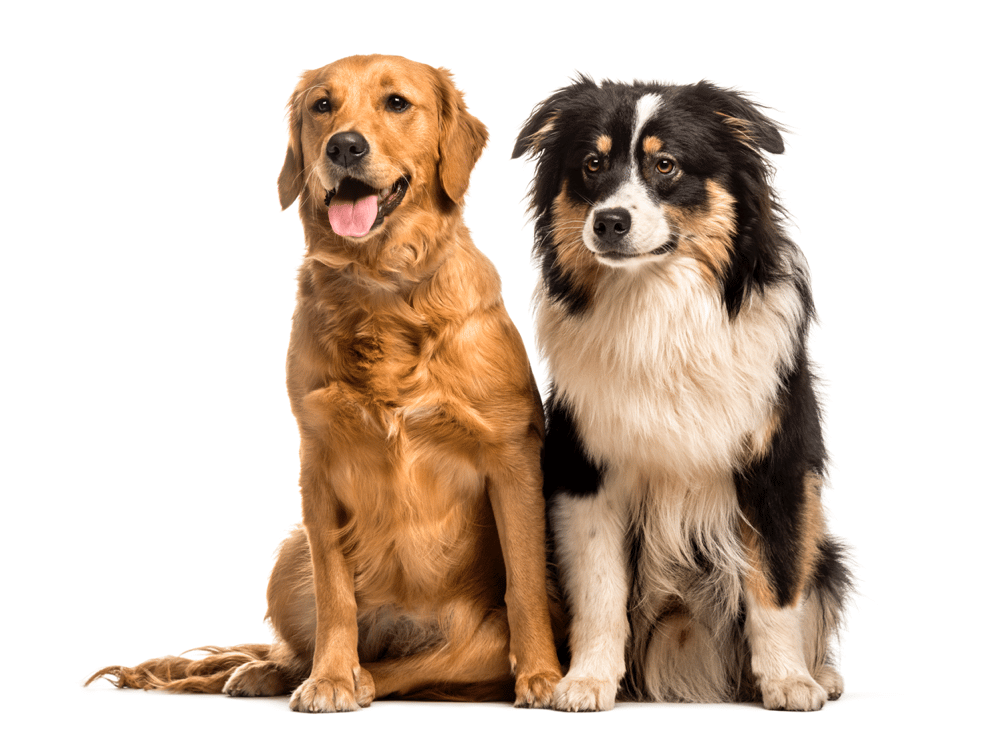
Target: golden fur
421, 430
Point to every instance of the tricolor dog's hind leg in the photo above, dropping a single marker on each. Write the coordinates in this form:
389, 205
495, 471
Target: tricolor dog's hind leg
796, 582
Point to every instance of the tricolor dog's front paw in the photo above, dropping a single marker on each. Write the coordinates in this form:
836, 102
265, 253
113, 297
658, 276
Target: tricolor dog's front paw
585, 694
795, 693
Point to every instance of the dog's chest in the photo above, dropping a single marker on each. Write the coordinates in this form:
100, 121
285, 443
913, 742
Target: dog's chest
658, 374
381, 356
402, 384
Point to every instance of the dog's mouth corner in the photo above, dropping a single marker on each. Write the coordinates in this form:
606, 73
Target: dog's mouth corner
355, 208
619, 257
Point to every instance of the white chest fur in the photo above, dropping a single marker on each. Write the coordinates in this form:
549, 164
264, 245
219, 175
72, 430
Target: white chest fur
657, 374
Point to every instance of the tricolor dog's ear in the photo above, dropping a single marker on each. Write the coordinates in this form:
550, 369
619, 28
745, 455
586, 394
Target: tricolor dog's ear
744, 119
461, 138
541, 130
545, 134
540, 127
291, 181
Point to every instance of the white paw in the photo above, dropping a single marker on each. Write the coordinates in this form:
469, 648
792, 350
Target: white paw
795, 693
585, 694
831, 681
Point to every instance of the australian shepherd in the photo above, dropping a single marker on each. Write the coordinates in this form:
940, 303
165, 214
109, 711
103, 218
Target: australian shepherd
684, 457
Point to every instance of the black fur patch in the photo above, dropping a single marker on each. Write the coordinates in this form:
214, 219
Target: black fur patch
566, 466
770, 489
832, 574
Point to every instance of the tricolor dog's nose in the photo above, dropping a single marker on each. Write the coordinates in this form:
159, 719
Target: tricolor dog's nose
347, 148
612, 224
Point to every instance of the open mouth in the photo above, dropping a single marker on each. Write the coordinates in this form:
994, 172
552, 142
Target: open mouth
356, 208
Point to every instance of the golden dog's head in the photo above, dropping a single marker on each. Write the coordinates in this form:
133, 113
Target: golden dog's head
377, 145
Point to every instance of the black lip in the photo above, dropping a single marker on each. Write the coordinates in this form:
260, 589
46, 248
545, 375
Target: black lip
395, 197
667, 247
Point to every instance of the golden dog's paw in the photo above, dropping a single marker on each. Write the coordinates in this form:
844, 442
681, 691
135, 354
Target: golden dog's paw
795, 693
364, 687
831, 681
322, 695
257, 678
535, 690
585, 694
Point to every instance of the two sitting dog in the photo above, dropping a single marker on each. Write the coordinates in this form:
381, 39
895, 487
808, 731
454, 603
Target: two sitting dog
681, 443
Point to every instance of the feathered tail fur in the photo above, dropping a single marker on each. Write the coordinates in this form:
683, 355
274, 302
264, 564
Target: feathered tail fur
182, 675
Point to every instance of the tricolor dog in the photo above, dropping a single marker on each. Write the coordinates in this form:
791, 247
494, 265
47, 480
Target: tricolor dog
684, 458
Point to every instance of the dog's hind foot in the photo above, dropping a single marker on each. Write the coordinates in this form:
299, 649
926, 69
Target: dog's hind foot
831, 681
259, 678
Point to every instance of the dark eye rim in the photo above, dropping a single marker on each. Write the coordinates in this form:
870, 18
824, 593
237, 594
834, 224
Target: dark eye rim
323, 105
592, 164
397, 103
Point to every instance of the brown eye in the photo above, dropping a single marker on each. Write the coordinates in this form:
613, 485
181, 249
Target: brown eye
664, 166
396, 103
593, 164
323, 105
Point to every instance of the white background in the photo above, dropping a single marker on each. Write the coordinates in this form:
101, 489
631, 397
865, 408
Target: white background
149, 456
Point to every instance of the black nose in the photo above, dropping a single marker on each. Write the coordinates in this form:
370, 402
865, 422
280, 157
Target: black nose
612, 224
346, 148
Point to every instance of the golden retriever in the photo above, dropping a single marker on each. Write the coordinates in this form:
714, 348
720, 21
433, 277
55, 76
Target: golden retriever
421, 426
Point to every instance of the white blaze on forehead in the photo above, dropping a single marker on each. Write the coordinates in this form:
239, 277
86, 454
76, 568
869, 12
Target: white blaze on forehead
650, 229
645, 108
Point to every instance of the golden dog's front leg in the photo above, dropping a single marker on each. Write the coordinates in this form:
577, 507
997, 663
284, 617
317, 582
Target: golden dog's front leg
337, 681
520, 516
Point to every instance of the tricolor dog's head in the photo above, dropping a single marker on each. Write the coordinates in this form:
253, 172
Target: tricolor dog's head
374, 143
635, 174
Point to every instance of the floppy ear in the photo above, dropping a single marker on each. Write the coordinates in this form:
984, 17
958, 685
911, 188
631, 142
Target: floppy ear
542, 123
461, 138
745, 120
292, 177
541, 129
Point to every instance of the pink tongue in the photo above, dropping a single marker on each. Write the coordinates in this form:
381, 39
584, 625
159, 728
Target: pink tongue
354, 219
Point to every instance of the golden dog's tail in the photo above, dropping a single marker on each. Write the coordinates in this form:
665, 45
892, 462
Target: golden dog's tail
181, 675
